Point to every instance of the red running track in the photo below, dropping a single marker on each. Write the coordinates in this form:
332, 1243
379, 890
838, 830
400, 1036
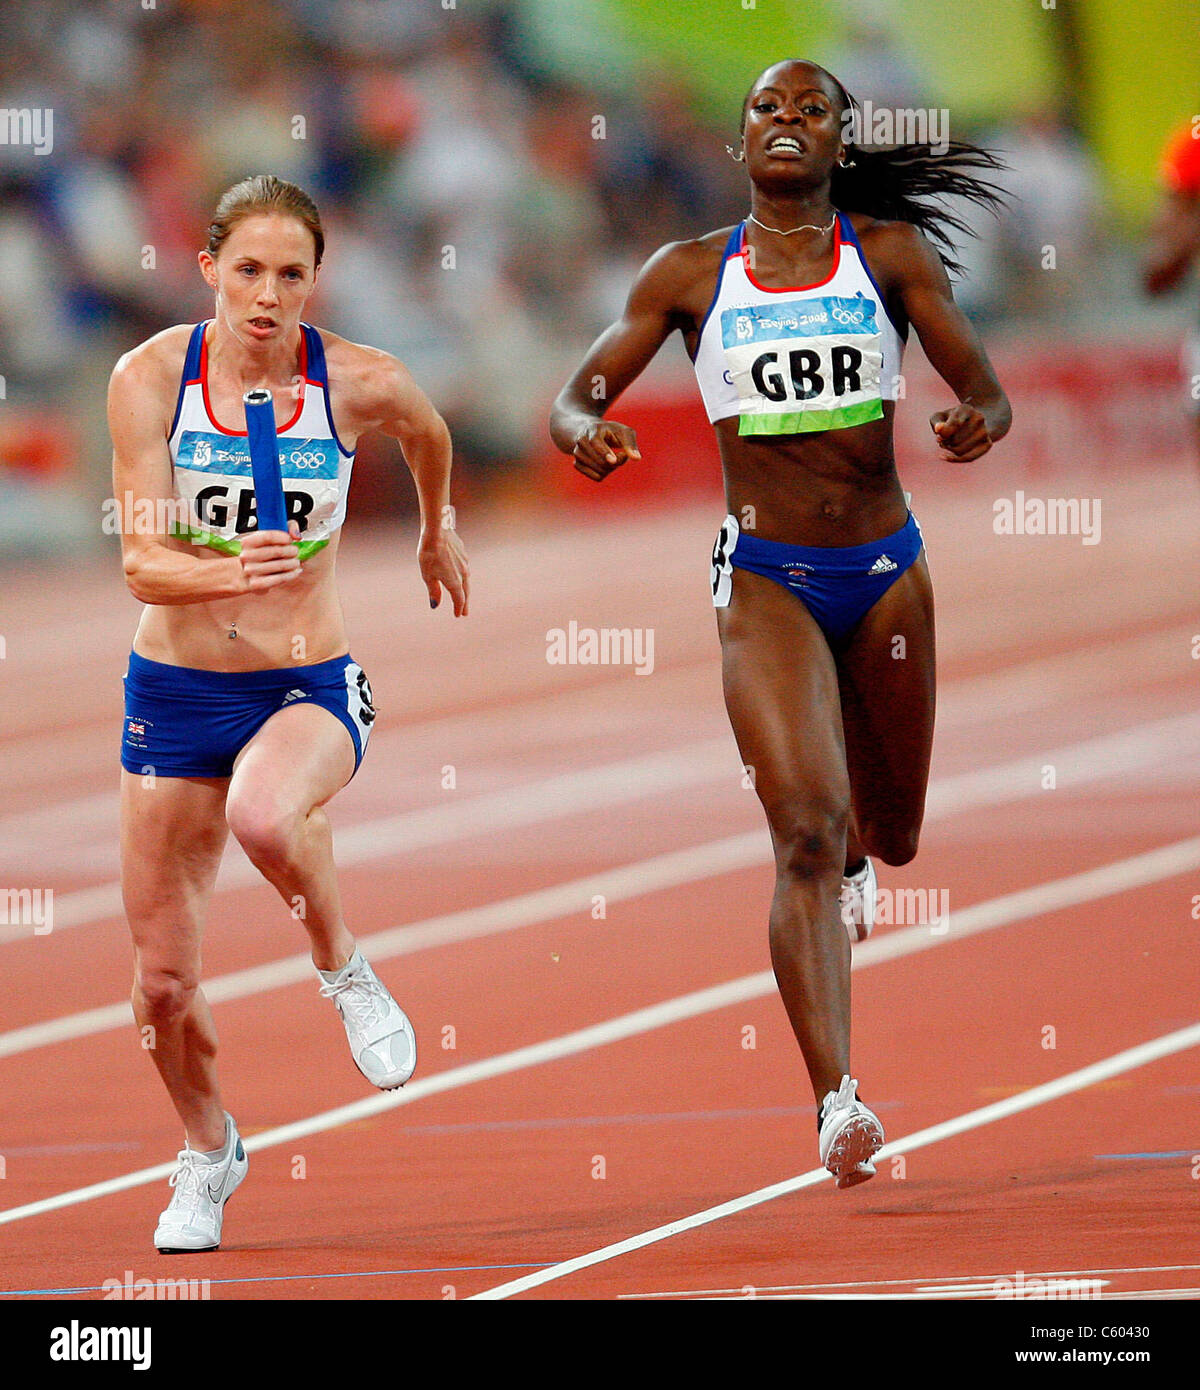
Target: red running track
1067, 742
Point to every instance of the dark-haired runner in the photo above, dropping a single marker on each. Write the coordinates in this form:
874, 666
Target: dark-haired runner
243, 707
796, 320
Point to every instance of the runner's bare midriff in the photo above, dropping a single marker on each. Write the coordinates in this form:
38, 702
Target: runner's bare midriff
298, 623
834, 487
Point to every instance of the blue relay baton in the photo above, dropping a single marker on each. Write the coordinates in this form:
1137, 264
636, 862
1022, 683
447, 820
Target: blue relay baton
264, 460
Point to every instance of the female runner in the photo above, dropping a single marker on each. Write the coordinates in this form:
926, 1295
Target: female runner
243, 708
795, 321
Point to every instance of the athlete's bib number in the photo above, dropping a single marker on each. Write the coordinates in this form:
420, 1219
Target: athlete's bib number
722, 564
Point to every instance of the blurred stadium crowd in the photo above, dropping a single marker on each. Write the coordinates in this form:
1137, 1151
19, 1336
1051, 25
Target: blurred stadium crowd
486, 202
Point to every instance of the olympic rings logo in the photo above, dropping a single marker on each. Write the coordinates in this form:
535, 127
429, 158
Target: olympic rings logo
840, 315
306, 460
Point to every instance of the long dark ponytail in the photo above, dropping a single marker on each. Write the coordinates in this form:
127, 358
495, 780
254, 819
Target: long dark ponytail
891, 182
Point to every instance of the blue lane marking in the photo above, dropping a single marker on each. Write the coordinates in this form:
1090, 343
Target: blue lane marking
1160, 1153
99, 1146
284, 1278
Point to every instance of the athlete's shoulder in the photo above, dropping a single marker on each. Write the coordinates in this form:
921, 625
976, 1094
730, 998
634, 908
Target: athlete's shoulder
344, 350
159, 356
691, 256
156, 364
886, 232
671, 275
896, 251
358, 365
366, 384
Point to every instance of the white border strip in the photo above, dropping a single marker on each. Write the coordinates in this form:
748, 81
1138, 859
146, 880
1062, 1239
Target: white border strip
1166, 862
1119, 1062
931, 1280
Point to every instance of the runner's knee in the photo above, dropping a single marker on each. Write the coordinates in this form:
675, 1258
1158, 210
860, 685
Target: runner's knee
809, 833
265, 828
165, 994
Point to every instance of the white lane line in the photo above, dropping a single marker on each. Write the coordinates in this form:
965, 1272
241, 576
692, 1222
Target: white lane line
1095, 671
921, 1295
1121, 876
1128, 1060
930, 1279
1153, 1293
1111, 878
591, 788
567, 899
988, 1290
1016, 689
697, 764
553, 1049
630, 881
1075, 765
1164, 1293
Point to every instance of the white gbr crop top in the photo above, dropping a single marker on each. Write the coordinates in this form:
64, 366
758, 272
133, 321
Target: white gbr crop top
211, 464
788, 361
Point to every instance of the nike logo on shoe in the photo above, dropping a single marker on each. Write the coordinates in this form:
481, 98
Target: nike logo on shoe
217, 1194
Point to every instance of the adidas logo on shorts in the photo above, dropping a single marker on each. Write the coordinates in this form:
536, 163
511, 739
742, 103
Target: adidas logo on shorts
883, 565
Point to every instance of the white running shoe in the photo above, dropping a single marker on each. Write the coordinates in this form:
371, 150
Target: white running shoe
851, 1135
192, 1220
382, 1041
858, 902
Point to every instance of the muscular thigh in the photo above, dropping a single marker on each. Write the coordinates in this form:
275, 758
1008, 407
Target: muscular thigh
781, 691
299, 759
887, 687
173, 832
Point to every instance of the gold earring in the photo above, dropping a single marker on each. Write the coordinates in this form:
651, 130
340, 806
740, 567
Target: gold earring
739, 158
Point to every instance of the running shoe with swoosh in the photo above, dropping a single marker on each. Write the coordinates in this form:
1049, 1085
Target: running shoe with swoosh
382, 1041
192, 1220
851, 1135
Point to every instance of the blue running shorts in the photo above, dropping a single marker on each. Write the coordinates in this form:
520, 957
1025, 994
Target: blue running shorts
837, 584
185, 722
